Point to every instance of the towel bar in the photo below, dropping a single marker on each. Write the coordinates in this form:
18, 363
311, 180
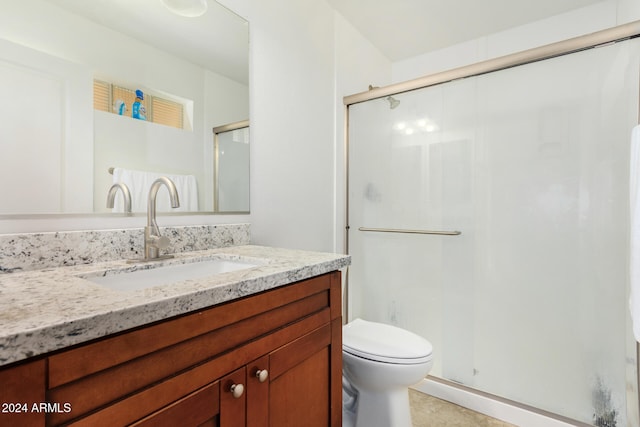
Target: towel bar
396, 230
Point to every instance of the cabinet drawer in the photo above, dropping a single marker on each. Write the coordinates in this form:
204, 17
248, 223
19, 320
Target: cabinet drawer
198, 408
151, 402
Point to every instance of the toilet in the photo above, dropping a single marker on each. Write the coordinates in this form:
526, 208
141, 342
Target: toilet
379, 363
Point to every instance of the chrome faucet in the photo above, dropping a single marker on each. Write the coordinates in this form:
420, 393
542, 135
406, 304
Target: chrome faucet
153, 240
126, 194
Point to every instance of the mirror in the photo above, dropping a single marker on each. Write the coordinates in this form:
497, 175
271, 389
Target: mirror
58, 149
231, 156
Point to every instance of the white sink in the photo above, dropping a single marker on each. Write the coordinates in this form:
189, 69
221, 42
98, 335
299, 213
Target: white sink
147, 275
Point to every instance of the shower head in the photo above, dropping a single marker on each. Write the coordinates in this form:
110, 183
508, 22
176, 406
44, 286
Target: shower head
393, 103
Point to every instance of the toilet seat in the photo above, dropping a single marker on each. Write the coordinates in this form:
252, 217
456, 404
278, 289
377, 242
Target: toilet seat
384, 343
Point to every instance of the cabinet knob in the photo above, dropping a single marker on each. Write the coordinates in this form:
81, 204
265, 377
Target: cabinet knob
236, 390
262, 375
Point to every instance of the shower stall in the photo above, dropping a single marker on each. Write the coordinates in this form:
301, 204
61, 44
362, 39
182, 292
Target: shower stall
489, 214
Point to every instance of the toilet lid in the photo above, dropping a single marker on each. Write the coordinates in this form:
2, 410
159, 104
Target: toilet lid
384, 343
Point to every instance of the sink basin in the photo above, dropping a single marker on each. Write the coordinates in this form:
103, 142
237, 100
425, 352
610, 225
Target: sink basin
147, 275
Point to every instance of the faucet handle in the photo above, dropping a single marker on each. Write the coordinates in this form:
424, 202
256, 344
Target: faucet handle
159, 242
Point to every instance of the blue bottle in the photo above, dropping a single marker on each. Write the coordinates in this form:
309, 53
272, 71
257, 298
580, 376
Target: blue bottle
137, 109
121, 107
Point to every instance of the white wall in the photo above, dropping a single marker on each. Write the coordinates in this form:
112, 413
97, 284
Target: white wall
46, 119
299, 75
292, 79
596, 17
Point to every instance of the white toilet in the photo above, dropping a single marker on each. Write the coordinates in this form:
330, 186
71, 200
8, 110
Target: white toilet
379, 363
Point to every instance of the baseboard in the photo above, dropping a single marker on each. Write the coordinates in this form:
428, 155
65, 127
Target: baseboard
494, 407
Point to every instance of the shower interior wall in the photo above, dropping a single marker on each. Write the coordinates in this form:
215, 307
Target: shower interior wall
530, 163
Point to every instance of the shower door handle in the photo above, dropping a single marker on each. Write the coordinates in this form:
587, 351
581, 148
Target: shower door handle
398, 230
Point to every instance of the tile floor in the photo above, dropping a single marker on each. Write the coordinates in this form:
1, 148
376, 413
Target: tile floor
428, 411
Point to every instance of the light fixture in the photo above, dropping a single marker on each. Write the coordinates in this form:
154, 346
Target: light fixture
427, 125
188, 8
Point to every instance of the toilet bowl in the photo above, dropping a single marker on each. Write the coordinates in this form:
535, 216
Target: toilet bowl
379, 363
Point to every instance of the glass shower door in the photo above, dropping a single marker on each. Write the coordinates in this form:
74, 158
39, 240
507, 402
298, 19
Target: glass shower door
530, 164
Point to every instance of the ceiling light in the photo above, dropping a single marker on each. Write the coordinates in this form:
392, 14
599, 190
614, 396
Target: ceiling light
400, 125
188, 8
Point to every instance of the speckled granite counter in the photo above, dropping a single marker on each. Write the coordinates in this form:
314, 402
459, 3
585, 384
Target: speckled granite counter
46, 310
35, 251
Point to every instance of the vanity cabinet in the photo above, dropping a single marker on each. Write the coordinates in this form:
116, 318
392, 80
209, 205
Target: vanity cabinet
269, 359
21, 388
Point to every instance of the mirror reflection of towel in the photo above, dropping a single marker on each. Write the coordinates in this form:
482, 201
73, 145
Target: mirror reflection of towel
139, 183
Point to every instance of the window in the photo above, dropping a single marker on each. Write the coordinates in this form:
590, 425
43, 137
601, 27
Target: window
168, 112
159, 110
101, 96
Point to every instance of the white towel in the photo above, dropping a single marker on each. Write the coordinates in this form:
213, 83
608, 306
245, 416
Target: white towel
634, 253
140, 182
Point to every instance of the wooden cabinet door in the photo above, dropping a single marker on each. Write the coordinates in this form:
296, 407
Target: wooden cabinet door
233, 399
299, 392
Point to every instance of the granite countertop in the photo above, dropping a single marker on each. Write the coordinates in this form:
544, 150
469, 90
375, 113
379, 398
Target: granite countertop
46, 310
